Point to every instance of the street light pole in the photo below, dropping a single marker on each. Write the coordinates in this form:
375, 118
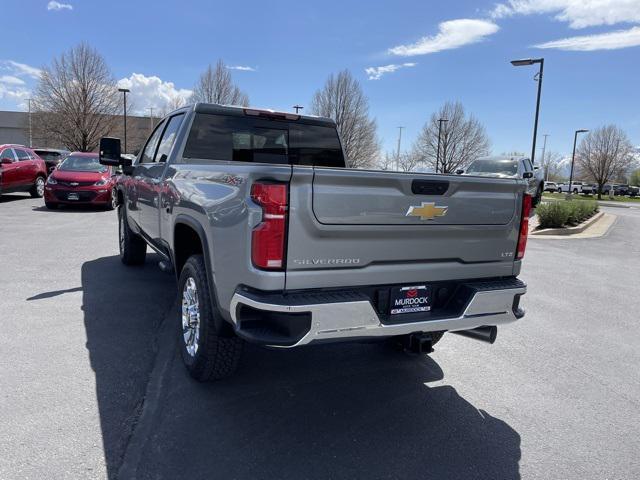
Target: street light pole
439, 133
573, 158
398, 153
531, 61
297, 107
150, 120
124, 93
30, 127
544, 147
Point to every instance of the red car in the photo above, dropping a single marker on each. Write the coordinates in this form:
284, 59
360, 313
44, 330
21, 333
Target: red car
80, 179
21, 170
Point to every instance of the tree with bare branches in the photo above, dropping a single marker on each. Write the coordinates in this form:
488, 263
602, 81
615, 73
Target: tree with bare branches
462, 140
603, 154
216, 86
76, 99
406, 162
550, 164
343, 100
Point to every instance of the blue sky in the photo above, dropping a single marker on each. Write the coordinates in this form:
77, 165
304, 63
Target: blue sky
432, 52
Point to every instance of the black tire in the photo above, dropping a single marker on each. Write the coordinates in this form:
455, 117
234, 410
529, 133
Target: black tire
51, 206
559, 190
538, 198
133, 248
113, 202
207, 354
37, 191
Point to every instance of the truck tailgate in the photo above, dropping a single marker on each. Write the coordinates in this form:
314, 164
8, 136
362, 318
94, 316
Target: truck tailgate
355, 227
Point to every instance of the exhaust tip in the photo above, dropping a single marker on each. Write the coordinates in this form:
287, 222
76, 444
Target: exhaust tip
484, 334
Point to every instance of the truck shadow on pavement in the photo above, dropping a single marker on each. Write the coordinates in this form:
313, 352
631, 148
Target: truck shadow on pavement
123, 308
328, 411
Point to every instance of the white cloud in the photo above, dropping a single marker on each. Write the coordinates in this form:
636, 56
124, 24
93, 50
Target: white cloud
603, 41
20, 69
152, 92
452, 34
578, 13
242, 68
53, 5
11, 80
375, 73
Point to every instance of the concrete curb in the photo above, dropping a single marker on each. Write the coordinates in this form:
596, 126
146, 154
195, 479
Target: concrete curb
570, 230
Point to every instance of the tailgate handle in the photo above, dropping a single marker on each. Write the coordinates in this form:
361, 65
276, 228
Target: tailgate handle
429, 187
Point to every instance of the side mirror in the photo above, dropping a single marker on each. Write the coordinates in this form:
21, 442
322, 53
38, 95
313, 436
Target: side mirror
6, 161
527, 175
536, 167
459, 171
110, 151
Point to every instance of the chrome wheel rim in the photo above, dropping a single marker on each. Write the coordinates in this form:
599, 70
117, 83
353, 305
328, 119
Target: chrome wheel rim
114, 198
190, 317
40, 186
121, 231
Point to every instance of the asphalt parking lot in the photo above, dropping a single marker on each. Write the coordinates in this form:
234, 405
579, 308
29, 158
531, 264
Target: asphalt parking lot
92, 386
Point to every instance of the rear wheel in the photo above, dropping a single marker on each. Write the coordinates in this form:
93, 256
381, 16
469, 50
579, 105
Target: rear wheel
538, 197
133, 248
559, 190
37, 191
207, 354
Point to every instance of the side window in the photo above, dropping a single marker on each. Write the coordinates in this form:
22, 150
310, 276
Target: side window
8, 153
149, 151
527, 165
22, 155
169, 138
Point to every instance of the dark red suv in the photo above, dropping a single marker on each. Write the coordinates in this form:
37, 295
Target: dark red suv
80, 179
21, 170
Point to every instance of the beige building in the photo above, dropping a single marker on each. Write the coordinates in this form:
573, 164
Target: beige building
14, 128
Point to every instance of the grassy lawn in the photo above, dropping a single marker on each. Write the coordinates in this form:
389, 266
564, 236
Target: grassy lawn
562, 196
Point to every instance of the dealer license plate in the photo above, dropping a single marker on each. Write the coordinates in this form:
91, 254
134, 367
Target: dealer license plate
73, 196
410, 299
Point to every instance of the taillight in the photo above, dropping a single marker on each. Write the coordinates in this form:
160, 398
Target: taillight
524, 226
267, 239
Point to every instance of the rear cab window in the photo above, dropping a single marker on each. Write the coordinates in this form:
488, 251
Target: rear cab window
241, 139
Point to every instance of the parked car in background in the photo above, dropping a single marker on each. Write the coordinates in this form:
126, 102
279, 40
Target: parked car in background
21, 170
614, 189
509, 167
550, 186
634, 191
576, 187
589, 189
623, 189
51, 156
80, 179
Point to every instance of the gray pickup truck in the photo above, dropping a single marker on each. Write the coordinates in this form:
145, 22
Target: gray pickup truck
275, 242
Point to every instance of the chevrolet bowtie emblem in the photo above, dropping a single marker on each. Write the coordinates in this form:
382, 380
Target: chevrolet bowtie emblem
427, 211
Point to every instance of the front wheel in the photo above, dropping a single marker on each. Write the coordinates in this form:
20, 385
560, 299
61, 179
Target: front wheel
113, 202
133, 248
51, 206
37, 191
207, 354
559, 190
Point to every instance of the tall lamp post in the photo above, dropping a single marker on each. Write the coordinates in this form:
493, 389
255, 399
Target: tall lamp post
573, 158
522, 63
124, 94
439, 133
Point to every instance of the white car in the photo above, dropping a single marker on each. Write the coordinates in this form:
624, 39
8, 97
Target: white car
576, 187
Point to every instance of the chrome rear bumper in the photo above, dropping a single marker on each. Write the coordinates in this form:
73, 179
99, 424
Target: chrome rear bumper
358, 318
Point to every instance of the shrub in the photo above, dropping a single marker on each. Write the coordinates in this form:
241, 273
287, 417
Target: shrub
568, 213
